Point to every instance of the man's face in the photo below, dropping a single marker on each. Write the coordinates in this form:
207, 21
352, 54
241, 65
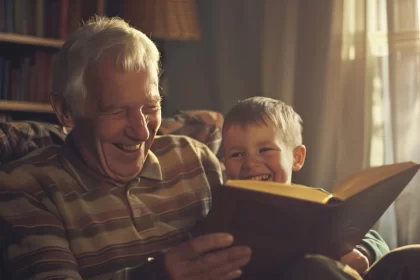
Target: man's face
121, 121
257, 152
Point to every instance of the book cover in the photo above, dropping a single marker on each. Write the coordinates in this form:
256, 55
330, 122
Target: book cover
281, 222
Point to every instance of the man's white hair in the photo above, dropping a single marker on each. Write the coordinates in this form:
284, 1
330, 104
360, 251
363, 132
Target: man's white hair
135, 52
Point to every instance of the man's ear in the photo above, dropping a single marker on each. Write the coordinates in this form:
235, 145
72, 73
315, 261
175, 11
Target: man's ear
299, 155
62, 110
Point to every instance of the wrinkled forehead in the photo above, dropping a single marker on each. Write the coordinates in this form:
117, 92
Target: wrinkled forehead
126, 60
108, 85
109, 68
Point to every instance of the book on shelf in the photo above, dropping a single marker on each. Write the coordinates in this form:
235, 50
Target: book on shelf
281, 222
52, 18
26, 75
26, 78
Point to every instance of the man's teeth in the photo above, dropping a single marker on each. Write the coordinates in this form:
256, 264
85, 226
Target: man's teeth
260, 177
128, 148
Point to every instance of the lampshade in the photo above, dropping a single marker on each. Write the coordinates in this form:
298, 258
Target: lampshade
164, 19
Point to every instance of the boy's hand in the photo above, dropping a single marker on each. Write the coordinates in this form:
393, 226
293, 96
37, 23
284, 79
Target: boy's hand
356, 260
197, 258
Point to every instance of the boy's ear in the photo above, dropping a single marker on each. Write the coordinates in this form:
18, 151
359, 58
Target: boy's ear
62, 110
299, 155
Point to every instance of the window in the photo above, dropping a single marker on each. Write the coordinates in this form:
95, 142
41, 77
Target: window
394, 41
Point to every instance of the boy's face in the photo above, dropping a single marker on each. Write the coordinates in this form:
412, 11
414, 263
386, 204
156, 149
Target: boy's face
258, 152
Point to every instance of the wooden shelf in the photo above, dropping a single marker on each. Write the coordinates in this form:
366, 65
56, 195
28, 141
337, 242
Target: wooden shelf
30, 40
21, 106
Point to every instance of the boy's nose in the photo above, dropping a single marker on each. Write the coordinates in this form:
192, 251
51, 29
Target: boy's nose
251, 161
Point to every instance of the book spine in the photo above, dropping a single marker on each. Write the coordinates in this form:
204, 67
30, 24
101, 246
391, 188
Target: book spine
9, 16
39, 18
63, 19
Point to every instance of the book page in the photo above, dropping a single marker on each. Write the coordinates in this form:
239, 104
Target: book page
287, 190
366, 178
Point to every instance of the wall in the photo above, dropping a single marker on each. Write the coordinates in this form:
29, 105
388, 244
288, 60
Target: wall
215, 74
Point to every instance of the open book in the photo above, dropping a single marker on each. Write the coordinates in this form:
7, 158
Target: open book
281, 222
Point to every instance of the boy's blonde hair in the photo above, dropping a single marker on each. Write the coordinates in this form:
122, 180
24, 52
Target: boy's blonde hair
262, 110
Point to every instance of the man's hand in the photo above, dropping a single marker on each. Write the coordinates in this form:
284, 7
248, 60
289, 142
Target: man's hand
196, 259
356, 260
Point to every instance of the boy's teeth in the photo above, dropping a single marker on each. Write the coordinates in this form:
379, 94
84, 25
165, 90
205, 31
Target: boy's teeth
130, 148
260, 177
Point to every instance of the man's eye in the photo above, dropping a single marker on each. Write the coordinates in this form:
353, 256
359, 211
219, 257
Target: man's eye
236, 155
116, 112
113, 112
151, 109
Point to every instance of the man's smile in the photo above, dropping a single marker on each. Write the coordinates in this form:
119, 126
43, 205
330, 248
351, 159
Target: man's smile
127, 148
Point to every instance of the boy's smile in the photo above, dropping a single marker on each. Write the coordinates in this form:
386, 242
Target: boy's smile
257, 152
264, 177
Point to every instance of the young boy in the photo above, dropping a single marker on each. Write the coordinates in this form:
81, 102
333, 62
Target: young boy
262, 140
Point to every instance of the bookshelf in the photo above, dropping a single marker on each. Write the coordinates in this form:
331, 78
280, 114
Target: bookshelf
10, 106
30, 40
31, 33
21, 106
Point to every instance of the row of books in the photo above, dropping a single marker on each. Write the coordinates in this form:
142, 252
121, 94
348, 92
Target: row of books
26, 78
5, 117
52, 18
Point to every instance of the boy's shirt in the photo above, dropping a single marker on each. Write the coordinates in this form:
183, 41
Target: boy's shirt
376, 244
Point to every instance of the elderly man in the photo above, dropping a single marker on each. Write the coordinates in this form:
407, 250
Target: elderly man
101, 206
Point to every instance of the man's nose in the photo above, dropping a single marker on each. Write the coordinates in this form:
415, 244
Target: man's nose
139, 125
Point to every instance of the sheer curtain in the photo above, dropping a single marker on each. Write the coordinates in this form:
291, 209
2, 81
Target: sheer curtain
401, 111
376, 81
333, 89
366, 99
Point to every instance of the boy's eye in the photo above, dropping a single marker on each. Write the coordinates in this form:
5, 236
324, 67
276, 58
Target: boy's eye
235, 155
262, 150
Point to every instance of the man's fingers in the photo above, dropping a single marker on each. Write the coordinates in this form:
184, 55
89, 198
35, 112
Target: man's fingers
228, 271
232, 275
206, 257
222, 262
202, 244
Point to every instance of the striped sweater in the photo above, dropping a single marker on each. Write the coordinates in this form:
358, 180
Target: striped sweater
61, 220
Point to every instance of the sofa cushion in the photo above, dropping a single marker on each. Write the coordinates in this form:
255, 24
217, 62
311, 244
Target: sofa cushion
20, 138
202, 125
